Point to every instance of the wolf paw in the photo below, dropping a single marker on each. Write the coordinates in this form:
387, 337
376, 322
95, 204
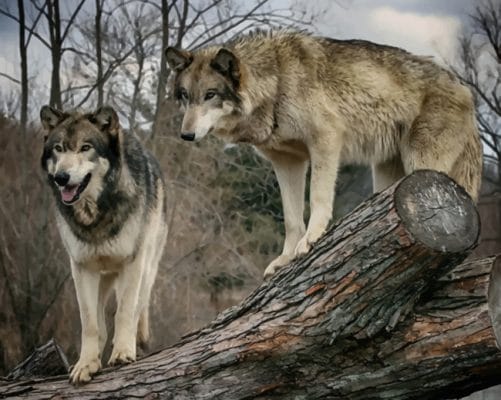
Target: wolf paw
276, 264
302, 247
307, 241
83, 370
122, 356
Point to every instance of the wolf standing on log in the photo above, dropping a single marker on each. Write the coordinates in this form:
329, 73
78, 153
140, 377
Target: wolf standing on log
111, 201
299, 98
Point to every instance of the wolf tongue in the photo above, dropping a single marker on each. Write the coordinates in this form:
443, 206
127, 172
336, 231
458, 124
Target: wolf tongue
69, 192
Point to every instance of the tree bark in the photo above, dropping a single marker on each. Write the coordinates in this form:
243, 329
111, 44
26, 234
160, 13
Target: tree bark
99, 55
140, 58
163, 74
23, 119
375, 310
46, 360
54, 22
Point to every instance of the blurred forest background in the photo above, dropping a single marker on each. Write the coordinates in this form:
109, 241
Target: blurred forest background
225, 217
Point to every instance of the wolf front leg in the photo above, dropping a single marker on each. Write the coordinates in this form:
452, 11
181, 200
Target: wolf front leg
324, 153
127, 286
87, 288
290, 170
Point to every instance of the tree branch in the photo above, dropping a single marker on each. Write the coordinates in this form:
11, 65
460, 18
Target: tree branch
10, 78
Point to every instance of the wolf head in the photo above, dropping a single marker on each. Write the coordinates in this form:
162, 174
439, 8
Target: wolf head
79, 151
206, 85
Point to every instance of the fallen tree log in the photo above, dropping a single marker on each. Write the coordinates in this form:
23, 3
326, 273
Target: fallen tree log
46, 360
376, 310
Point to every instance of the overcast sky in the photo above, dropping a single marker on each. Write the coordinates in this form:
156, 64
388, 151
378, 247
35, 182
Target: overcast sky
427, 27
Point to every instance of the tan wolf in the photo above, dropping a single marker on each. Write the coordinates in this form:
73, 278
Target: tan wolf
110, 213
299, 99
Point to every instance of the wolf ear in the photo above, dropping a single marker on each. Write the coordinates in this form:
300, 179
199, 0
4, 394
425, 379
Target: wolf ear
51, 117
178, 59
106, 119
226, 63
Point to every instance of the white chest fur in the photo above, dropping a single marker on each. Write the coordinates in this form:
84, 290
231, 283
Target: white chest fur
105, 256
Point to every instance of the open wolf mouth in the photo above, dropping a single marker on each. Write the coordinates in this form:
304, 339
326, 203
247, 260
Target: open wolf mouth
71, 193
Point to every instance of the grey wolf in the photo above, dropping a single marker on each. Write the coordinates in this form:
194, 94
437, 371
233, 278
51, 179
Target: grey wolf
110, 212
302, 99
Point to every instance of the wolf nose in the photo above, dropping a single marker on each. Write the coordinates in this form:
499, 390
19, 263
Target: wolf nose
62, 178
188, 136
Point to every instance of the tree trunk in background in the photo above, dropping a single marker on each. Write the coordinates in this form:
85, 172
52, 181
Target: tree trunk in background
23, 120
54, 22
376, 309
140, 57
99, 56
163, 74
28, 337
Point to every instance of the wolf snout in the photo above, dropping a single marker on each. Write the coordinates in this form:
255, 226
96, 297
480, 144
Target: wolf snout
62, 178
188, 136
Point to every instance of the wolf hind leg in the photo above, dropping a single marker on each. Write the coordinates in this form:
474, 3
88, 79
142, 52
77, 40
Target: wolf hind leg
290, 171
467, 170
143, 329
128, 283
105, 288
437, 139
386, 173
143, 324
156, 250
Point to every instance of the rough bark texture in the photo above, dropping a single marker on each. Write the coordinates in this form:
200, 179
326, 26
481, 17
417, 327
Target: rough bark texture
374, 311
46, 360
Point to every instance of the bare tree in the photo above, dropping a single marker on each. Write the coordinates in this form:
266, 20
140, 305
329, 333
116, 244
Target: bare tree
24, 66
58, 28
24, 41
54, 21
163, 72
109, 50
99, 55
125, 46
480, 68
57, 36
137, 70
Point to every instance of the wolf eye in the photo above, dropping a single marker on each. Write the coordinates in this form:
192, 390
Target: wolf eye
58, 148
183, 94
85, 147
210, 94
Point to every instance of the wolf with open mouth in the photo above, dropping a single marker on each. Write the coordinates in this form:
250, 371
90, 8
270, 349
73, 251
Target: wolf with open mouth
110, 198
